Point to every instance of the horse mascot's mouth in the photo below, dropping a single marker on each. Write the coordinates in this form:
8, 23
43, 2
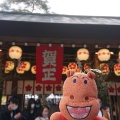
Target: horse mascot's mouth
78, 112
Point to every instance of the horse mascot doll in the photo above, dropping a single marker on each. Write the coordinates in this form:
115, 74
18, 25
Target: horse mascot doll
79, 101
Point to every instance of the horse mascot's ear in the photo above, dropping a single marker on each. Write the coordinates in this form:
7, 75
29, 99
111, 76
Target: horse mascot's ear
79, 101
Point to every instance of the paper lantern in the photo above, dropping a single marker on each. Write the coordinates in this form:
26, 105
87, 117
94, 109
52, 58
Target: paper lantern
104, 55
117, 69
82, 54
9, 65
72, 66
64, 69
25, 65
78, 70
104, 68
15, 52
33, 69
20, 70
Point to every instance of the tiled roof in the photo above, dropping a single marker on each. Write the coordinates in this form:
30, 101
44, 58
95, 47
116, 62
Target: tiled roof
65, 19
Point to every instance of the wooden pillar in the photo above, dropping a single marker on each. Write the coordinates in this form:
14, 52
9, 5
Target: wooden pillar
0, 56
96, 62
1, 76
14, 79
14, 86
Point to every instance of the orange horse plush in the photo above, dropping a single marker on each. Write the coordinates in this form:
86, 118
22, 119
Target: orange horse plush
79, 101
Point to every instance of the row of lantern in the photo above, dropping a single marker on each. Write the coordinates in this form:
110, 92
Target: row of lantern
104, 68
73, 66
24, 66
15, 52
103, 54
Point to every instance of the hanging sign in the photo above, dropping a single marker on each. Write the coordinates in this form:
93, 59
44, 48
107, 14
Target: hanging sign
38, 88
112, 89
49, 63
58, 88
118, 88
28, 87
48, 88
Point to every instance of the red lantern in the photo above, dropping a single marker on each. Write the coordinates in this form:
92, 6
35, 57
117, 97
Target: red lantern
25, 65
72, 66
33, 69
78, 70
117, 69
64, 69
9, 65
104, 68
20, 70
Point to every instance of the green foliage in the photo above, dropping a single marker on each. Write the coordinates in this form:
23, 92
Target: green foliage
25, 6
103, 86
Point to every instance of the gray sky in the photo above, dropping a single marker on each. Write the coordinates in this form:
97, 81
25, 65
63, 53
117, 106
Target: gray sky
85, 7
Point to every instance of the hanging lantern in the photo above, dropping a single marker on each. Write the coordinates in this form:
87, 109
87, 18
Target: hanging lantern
78, 70
104, 68
64, 69
72, 66
104, 55
33, 69
87, 67
25, 65
15, 52
9, 65
20, 70
82, 54
117, 69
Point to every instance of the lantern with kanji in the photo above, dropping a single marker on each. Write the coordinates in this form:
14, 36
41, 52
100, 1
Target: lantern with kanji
20, 70
104, 68
9, 65
64, 69
33, 69
15, 52
82, 54
72, 66
117, 69
25, 65
104, 55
